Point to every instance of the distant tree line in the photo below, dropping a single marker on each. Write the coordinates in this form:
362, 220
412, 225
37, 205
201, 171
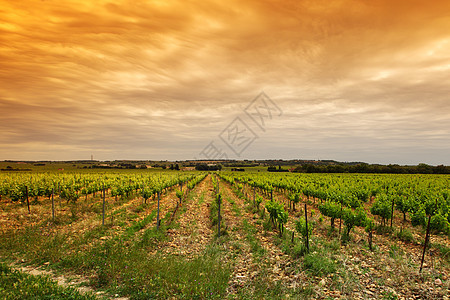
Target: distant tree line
119, 166
241, 164
366, 168
205, 167
11, 169
174, 167
275, 169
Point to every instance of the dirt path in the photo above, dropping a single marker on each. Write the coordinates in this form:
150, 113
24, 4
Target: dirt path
244, 265
277, 266
194, 231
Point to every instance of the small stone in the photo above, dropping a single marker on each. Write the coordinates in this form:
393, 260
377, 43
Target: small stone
438, 282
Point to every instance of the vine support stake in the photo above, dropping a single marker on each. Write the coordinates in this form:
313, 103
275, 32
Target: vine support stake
181, 190
103, 207
143, 194
427, 237
218, 217
28, 201
307, 233
157, 213
53, 206
392, 211
340, 220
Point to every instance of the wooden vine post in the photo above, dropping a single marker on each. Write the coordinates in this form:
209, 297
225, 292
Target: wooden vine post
306, 225
53, 206
340, 219
427, 237
28, 201
219, 200
392, 211
103, 207
181, 190
157, 213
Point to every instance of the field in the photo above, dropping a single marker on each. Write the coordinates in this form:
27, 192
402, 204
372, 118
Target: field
146, 234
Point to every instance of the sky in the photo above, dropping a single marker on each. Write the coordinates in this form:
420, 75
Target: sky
349, 80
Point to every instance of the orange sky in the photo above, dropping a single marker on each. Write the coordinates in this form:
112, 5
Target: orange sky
355, 80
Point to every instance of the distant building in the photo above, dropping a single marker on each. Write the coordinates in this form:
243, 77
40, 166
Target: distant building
143, 166
188, 169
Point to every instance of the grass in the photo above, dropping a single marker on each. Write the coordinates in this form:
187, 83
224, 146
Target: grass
151, 237
201, 199
405, 235
128, 269
264, 288
255, 245
213, 212
389, 295
395, 252
236, 209
17, 285
132, 272
319, 263
385, 230
443, 250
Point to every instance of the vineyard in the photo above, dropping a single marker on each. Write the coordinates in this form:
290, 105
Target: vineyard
236, 235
